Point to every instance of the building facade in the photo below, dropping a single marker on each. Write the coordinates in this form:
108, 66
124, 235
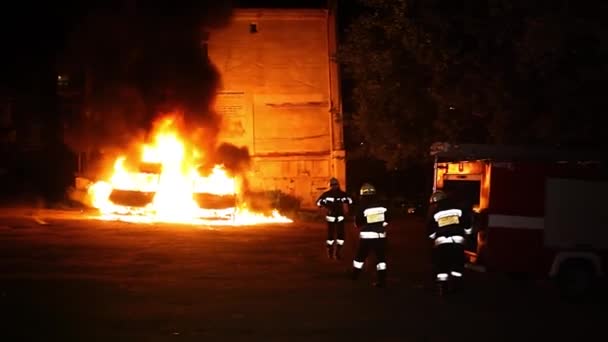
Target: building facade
280, 97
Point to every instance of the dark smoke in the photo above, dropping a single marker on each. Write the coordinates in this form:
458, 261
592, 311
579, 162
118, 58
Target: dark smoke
235, 159
139, 60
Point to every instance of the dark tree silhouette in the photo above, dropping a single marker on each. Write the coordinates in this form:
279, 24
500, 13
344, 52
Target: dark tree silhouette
501, 71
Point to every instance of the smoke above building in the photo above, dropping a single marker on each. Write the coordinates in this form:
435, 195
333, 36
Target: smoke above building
140, 61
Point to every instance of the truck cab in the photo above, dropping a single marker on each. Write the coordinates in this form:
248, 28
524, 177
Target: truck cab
537, 211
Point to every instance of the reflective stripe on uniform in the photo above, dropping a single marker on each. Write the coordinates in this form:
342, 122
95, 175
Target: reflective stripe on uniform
381, 266
456, 274
372, 235
329, 242
442, 276
446, 213
334, 218
449, 239
340, 242
468, 231
357, 264
373, 211
374, 215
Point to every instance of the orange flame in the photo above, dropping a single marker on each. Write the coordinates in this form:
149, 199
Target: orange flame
169, 180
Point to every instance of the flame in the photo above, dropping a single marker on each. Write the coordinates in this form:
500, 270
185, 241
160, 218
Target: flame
168, 180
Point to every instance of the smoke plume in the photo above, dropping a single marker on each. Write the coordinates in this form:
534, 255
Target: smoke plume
140, 60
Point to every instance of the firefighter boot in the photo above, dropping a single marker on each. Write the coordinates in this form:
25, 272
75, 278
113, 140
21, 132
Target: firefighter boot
330, 251
339, 252
381, 281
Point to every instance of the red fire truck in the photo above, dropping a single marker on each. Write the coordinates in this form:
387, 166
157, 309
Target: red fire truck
536, 210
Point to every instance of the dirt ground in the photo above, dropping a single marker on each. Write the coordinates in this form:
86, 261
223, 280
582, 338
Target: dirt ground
64, 277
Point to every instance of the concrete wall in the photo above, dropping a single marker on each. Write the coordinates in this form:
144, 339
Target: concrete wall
280, 97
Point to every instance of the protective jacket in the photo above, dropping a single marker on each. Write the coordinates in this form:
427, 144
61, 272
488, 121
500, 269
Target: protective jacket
333, 200
372, 218
448, 223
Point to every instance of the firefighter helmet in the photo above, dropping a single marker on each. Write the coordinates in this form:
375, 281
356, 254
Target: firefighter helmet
367, 189
438, 196
333, 181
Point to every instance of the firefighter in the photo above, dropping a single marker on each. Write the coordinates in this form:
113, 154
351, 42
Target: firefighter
448, 225
371, 220
334, 202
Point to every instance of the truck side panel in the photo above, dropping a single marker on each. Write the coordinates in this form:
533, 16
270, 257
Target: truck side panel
517, 237
517, 189
515, 218
576, 215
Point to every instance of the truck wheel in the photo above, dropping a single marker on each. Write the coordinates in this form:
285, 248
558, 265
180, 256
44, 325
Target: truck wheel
575, 278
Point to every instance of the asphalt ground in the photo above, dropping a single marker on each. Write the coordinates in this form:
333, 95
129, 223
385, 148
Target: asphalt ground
65, 276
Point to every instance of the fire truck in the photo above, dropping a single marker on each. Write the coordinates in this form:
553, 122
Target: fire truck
537, 211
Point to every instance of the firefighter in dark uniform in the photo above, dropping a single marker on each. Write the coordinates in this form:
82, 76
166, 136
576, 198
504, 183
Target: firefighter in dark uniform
334, 201
448, 225
371, 220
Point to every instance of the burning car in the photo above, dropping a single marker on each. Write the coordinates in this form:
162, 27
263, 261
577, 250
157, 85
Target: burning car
167, 182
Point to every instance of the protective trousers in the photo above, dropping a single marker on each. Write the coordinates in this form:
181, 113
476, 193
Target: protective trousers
378, 247
335, 238
448, 261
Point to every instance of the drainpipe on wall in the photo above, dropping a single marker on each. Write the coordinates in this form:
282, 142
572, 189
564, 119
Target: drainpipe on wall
330, 81
337, 153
